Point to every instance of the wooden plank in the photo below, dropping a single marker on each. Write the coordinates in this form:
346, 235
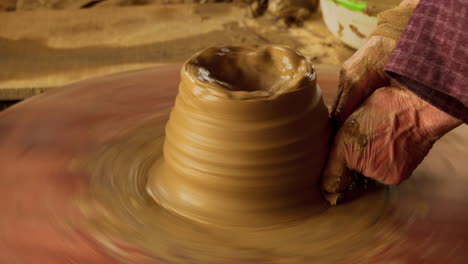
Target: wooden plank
43, 49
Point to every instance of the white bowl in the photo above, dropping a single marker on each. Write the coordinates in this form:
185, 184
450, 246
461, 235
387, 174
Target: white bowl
351, 26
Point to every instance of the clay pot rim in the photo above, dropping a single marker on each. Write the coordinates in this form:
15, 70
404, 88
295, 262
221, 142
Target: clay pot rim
304, 76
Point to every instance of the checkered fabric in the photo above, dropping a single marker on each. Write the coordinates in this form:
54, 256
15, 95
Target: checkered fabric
431, 58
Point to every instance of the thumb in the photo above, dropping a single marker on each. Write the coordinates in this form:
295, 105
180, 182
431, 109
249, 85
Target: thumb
336, 176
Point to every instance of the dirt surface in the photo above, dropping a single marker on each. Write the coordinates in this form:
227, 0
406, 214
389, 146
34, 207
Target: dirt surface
28, 5
43, 49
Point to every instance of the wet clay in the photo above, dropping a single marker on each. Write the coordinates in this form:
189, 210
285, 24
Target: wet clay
292, 11
120, 212
246, 139
356, 31
289, 11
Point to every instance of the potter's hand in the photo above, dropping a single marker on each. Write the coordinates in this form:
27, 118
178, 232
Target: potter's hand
382, 133
385, 138
361, 75
364, 71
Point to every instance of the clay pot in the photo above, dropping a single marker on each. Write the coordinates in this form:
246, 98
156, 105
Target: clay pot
246, 140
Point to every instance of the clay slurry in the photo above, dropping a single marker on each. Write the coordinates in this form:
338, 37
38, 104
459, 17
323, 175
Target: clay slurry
246, 139
223, 66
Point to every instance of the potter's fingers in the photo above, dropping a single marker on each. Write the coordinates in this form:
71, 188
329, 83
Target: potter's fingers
352, 72
350, 95
355, 87
336, 176
360, 76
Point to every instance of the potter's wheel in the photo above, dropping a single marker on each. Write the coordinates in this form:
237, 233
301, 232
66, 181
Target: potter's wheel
60, 148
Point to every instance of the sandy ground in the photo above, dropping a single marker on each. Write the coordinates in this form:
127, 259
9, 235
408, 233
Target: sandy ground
46, 48
27, 5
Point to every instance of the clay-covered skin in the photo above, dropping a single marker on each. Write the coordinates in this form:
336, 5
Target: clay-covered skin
246, 140
292, 11
364, 72
374, 7
377, 120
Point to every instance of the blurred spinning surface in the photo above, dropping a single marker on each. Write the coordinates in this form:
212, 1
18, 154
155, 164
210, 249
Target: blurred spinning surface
62, 201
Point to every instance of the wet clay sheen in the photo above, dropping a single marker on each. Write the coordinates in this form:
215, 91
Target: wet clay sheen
246, 139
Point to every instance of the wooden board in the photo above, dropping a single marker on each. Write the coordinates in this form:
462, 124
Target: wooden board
44, 49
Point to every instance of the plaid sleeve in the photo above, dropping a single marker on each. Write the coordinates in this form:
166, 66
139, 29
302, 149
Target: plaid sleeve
431, 58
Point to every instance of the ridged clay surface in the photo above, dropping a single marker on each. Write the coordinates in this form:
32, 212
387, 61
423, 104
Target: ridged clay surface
246, 139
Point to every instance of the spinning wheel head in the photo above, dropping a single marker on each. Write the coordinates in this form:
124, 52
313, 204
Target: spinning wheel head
73, 189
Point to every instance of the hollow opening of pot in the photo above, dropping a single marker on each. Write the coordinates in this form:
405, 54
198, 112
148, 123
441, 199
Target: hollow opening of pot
269, 70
